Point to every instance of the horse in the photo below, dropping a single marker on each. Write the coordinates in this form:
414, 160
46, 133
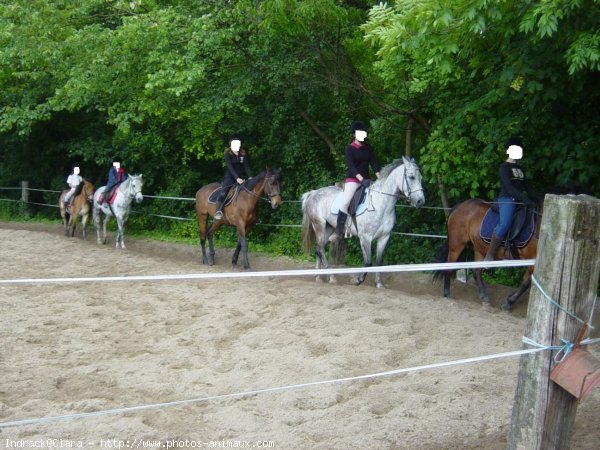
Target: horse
464, 223
376, 223
126, 192
241, 212
80, 206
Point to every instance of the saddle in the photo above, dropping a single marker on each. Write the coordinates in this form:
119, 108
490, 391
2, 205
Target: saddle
214, 195
112, 195
358, 204
521, 229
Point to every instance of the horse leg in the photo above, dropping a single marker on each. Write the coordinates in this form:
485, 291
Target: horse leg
120, 241
481, 287
381, 244
236, 254
525, 283
453, 254
322, 233
202, 235
97, 224
211, 245
104, 223
84, 220
243, 246
365, 245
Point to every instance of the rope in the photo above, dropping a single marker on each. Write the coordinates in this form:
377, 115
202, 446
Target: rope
555, 303
281, 273
563, 350
250, 393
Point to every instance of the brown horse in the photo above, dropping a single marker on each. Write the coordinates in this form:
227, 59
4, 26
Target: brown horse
463, 229
241, 212
80, 206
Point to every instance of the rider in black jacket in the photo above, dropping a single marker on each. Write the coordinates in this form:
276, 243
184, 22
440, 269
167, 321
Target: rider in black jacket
237, 164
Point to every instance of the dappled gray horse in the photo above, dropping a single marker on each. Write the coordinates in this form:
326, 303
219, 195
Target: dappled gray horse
376, 223
127, 191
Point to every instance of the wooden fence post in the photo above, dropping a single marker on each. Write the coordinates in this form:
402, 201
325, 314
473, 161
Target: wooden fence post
567, 268
25, 191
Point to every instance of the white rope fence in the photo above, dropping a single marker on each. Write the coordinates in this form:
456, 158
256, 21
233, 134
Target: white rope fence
250, 393
279, 273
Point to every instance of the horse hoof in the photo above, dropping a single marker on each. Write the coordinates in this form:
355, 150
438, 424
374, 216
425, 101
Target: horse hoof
333, 280
380, 285
507, 306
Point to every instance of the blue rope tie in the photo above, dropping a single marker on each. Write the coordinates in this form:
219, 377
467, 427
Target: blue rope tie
563, 350
553, 302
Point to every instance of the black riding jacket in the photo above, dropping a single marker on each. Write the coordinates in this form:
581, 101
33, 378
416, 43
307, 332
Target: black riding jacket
358, 160
236, 165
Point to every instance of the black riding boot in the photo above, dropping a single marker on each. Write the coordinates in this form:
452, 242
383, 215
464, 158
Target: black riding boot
339, 227
496, 241
219, 211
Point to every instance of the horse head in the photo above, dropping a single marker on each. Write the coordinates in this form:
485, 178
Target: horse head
88, 188
135, 189
272, 187
411, 183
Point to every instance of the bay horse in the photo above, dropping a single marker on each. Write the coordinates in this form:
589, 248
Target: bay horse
126, 192
464, 223
376, 223
80, 207
241, 212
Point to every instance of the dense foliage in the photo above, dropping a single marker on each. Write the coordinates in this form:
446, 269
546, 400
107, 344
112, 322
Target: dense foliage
164, 83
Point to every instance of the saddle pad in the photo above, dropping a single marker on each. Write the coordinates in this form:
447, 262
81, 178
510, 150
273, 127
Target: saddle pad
214, 195
492, 218
337, 202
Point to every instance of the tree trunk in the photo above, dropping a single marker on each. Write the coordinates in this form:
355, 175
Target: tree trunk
408, 140
567, 268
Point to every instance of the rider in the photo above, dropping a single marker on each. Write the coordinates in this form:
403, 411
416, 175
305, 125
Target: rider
74, 180
359, 156
116, 175
513, 183
236, 160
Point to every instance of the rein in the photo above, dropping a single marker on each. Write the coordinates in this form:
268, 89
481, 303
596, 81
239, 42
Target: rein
404, 181
251, 192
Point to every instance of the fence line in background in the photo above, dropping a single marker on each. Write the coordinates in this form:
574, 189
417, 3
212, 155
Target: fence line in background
193, 220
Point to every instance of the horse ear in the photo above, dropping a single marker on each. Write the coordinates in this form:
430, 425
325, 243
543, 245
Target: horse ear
404, 160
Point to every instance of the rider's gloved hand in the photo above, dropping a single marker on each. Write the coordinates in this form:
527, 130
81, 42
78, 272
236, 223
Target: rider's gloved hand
240, 180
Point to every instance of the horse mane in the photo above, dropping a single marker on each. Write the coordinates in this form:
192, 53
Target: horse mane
78, 189
388, 169
250, 184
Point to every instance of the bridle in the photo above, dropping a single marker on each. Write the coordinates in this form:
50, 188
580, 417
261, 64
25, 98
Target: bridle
404, 181
267, 182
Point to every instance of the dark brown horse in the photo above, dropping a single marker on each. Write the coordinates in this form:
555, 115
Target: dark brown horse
80, 206
463, 229
241, 212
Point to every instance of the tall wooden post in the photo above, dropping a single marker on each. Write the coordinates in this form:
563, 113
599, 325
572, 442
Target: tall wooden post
567, 268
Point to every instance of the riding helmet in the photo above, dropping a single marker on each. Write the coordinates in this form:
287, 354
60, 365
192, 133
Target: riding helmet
357, 125
513, 140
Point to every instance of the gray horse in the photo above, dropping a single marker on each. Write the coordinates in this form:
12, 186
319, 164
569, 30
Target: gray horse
376, 223
127, 191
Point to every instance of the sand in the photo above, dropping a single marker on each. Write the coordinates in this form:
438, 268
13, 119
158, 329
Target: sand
69, 348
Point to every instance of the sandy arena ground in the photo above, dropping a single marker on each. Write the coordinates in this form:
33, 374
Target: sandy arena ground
72, 348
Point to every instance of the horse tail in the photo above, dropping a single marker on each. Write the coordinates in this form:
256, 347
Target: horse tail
441, 257
337, 251
308, 233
